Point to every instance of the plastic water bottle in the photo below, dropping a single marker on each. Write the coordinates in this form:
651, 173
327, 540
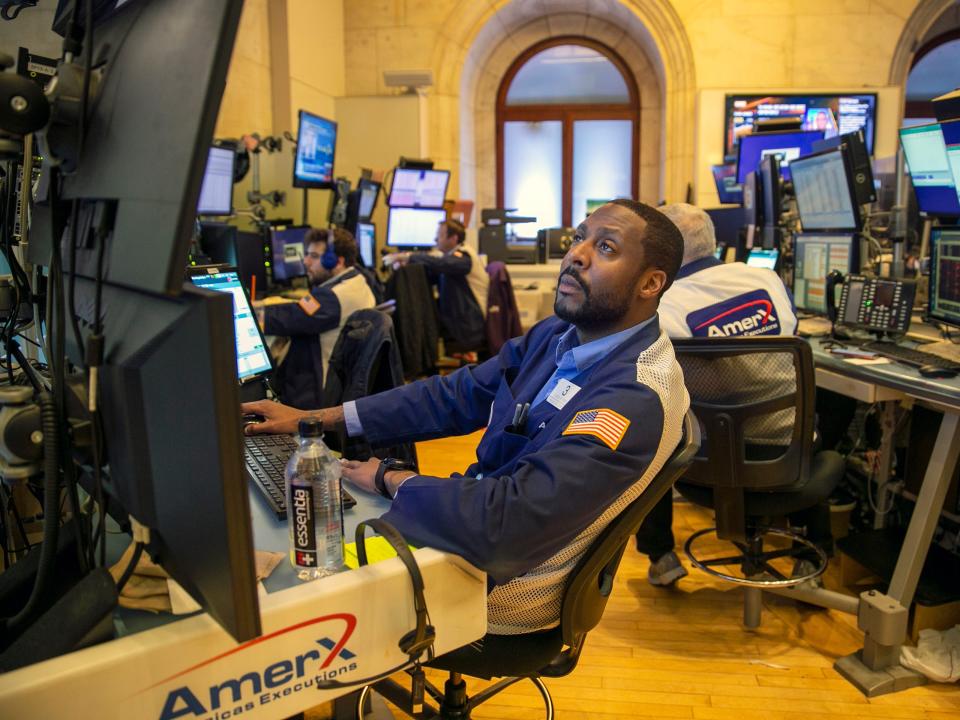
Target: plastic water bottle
314, 512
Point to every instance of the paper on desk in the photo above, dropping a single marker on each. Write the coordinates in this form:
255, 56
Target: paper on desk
378, 549
868, 361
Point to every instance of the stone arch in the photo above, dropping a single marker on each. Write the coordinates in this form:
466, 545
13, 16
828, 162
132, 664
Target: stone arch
924, 15
478, 42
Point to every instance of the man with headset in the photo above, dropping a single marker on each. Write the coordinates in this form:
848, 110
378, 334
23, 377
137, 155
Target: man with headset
314, 322
580, 415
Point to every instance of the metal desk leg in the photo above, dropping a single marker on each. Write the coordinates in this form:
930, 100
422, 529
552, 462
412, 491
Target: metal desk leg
888, 422
876, 669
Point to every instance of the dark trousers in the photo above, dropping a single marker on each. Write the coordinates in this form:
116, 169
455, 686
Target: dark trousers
655, 535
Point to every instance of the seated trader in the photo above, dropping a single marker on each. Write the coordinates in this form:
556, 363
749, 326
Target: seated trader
313, 324
713, 299
581, 412
463, 285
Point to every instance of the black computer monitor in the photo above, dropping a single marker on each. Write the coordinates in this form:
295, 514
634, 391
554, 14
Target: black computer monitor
753, 200
169, 400
815, 255
951, 139
413, 227
826, 198
369, 192
287, 248
788, 146
316, 148
854, 147
727, 224
728, 190
415, 188
945, 276
253, 355
367, 243
216, 191
926, 153
772, 194
830, 114
767, 258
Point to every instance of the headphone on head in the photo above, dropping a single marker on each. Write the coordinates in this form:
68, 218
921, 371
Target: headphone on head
329, 259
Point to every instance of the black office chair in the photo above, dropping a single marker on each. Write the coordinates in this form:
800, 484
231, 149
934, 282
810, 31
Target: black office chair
553, 652
755, 398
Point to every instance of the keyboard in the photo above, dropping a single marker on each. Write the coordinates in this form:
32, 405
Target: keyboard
265, 458
909, 355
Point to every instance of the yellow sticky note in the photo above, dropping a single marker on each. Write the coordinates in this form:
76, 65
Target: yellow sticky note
377, 549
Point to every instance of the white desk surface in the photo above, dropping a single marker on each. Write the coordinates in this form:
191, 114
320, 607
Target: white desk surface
344, 627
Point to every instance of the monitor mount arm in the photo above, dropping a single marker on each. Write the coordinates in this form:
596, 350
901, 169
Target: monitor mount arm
255, 144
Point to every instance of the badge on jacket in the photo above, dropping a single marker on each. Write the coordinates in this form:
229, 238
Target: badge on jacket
308, 303
606, 425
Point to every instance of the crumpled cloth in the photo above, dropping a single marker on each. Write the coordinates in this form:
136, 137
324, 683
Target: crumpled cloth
150, 588
937, 655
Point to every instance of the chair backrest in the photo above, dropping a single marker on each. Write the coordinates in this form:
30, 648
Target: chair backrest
742, 389
591, 581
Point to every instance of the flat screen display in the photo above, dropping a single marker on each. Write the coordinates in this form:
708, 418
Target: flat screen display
788, 146
815, 255
729, 190
216, 192
829, 114
945, 276
286, 252
926, 152
418, 188
763, 258
413, 227
316, 147
951, 138
253, 357
825, 197
367, 243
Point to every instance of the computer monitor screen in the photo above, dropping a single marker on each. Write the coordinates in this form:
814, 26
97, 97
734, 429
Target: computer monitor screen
316, 146
287, 249
369, 191
253, 357
728, 190
216, 192
418, 188
787, 145
929, 167
413, 227
771, 195
814, 257
718, 253
367, 243
829, 114
945, 276
825, 196
951, 138
763, 258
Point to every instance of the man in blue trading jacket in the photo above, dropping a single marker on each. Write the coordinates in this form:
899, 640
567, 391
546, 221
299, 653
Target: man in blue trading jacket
581, 412
713, 299
313, 324
462, 284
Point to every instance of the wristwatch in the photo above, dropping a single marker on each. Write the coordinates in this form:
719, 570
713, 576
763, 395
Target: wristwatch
386, 465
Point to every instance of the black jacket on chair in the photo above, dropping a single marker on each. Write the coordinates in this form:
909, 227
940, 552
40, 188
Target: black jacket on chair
461, 318
365, 361
415, 320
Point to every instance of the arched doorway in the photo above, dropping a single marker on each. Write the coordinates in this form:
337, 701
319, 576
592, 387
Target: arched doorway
568, 113
932, 73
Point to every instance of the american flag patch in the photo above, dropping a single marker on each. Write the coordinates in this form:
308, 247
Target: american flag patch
606, 425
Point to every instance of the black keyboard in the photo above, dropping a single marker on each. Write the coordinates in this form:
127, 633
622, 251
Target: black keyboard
265, 457
909, 355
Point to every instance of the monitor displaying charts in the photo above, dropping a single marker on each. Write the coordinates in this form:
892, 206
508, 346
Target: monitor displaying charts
815, 255
418, 188
413, 227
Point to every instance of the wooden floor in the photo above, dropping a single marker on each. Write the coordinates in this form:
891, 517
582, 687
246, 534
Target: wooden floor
683, 653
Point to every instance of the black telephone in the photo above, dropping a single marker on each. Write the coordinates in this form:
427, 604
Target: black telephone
881, 305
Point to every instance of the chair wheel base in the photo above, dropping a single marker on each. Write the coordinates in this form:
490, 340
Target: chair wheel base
755, 561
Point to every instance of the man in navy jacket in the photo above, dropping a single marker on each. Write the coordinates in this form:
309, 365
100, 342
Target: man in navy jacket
581, 412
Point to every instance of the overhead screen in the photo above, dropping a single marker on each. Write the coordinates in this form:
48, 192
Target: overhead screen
418, 188
316, 147
830, 114
825, 197
926, 152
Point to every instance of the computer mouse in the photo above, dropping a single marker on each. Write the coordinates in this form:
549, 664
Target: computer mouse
932, 371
